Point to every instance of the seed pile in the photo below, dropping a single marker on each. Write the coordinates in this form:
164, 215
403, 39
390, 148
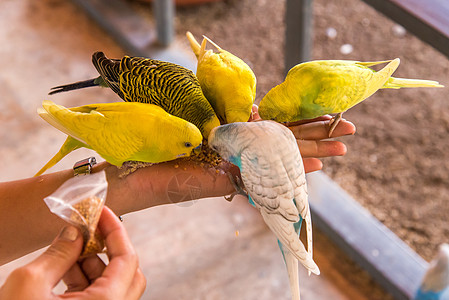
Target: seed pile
206, 156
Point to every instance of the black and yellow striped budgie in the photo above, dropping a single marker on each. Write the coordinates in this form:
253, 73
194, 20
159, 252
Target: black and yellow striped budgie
170, 86
227, 81
316, 88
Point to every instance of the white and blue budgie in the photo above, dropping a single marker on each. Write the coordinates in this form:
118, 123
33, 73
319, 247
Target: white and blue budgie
436, 280
273, 175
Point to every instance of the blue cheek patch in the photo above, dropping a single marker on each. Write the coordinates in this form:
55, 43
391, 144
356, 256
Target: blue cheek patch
236, 160
251, 201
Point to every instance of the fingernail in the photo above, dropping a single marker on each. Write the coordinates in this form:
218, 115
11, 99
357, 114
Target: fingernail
69, 233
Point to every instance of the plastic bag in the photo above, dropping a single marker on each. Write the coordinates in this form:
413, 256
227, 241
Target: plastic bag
79, 201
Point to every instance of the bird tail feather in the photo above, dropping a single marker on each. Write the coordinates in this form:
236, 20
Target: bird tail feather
202, 49
397, 83
292, 269
193, 44
308, 221
379, 78
74, 86
286, 234
69, 145
373, 63
213, 44
54, 114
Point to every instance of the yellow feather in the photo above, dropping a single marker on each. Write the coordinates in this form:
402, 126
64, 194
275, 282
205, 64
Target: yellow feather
316, 88
122, 132
137, 79
193, 43
228, 82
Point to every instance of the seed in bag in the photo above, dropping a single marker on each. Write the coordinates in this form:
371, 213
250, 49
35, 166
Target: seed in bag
79, 201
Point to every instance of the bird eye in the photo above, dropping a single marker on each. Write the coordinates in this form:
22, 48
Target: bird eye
188, 144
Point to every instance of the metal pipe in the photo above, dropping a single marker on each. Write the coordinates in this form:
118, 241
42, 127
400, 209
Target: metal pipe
298, 32
164, 13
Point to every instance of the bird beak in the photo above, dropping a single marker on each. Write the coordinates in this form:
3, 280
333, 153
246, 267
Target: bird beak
197, 150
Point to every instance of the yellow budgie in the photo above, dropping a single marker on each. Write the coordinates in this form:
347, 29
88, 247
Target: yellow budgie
121, 132
137, 79
228, 82
316, 88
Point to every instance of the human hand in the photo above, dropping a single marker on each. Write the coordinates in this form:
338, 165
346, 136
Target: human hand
183, 180
311, 135
90, 279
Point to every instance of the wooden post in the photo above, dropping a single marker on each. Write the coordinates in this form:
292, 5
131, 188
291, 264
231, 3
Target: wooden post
299, 27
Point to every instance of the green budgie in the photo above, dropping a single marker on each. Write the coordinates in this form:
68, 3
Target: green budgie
121, 132
273, 175
316, 88
170, 86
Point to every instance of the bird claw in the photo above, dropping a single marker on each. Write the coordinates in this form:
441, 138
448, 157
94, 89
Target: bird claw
230, 197
236, 181
129, 167
333, 123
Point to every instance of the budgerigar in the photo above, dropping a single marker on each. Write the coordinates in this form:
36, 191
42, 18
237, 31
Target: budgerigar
273, 175
170, 86
121, 132
316, 88
227, 81
436, 280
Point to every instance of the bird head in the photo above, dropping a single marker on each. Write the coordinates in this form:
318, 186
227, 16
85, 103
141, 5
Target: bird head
188, 140
224, 140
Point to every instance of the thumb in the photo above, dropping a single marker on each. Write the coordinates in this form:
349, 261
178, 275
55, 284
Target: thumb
60, 256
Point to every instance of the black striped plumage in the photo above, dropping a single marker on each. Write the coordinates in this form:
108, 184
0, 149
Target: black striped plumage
170, 86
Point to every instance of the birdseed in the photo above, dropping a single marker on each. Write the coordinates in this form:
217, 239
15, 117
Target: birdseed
88, 212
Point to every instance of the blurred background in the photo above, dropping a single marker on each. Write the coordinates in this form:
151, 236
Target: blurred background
396, 165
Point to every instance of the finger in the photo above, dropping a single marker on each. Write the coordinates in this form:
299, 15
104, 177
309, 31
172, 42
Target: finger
123, 261
93, 267
60, 256
138, 286
254, 114
312, 164
310, 148
320, 130
75, 279
300, 122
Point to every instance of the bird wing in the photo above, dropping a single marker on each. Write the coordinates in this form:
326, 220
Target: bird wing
109, 70
274, 177
268, 185
110, 132
294, 167
334, 86
51, 113
379, 78
337, 87
271, 190
156, 82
